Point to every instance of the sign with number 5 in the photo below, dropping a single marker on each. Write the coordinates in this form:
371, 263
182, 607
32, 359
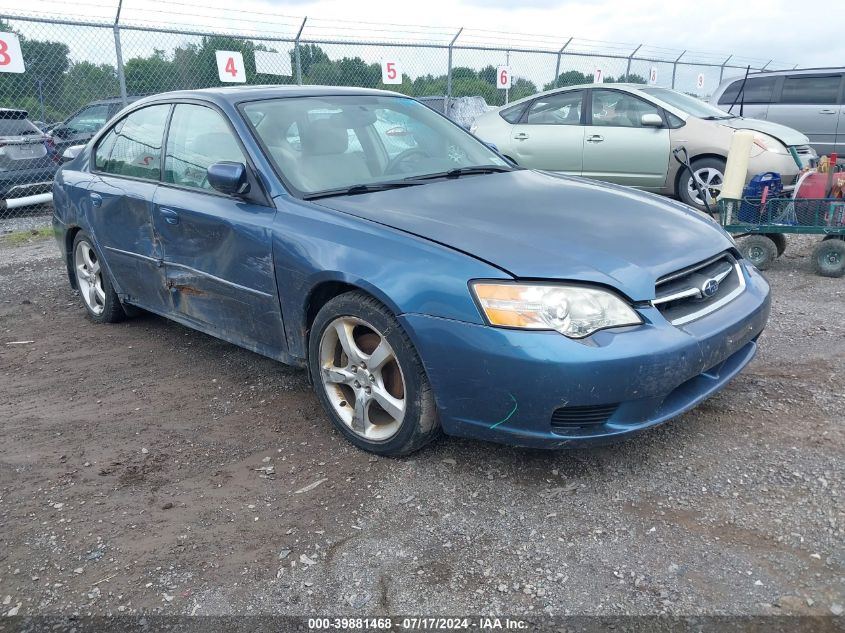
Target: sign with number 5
11, 60
503, 77
230, 67
391, 72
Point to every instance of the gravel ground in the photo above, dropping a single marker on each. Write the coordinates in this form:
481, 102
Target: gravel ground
149, 468
28, 219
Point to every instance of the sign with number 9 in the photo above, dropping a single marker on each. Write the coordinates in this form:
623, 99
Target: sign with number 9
503, 77
11, 59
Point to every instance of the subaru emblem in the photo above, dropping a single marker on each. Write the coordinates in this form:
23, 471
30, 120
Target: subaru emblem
710, 288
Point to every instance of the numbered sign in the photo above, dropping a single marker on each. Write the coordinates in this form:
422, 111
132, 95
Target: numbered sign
391, 72
598, 76
11, 60
699, 81
503, 77
230, 67
652, 75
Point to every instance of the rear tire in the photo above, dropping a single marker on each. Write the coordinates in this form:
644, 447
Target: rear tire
760, 250
95, 289
829, 258
369, 378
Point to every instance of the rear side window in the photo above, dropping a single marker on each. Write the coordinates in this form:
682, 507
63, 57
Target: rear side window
819, 90
17, 127
512, 114
133, 146
198, 138
757, 90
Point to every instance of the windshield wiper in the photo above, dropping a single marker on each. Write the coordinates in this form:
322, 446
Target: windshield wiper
464, 171
362, 188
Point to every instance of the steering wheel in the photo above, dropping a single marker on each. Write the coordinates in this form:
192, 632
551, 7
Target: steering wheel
392, 165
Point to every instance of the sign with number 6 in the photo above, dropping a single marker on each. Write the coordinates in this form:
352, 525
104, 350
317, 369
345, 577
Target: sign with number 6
11, 60
598, 76
391, 72
230, 67
503, 77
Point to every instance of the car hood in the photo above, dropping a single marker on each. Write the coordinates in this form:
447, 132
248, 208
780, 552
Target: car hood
784, 134
535, 225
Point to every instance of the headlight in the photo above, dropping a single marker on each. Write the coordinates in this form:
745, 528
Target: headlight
769, 144
574, 311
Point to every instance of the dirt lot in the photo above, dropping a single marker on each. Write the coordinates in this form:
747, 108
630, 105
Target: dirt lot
146, 467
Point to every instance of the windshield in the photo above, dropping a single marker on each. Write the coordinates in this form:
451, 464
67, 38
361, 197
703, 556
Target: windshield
327, 143
691, 105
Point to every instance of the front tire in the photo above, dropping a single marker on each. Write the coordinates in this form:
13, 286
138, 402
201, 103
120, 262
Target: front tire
98, 296
759, 249
711, 171
369, 377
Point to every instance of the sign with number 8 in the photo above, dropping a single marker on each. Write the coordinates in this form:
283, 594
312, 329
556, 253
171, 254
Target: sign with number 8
230, 67
11, 59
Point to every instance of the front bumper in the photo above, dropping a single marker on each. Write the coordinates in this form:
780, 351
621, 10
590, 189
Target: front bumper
778, 163
505, 385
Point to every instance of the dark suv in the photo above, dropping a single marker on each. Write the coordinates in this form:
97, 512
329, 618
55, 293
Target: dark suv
80, 126
28, 157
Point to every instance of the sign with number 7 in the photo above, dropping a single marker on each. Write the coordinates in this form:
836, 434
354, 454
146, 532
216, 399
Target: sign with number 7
230, 67
391, 72
11, 60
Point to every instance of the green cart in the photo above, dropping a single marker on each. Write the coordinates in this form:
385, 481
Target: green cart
765, 225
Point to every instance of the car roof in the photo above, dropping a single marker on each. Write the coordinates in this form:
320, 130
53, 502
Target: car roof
238, 94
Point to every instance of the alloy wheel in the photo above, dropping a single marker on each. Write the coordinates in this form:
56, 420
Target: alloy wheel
89, 277
710, 179
362, 378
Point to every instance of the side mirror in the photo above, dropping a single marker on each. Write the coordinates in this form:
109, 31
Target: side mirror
72, 152
228, 177
651, 120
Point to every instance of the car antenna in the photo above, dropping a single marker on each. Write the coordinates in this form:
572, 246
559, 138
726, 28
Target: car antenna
741, 93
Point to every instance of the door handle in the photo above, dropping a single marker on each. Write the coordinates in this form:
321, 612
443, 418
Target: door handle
521, 136
827, 111
595, 138
169, 215
96, 199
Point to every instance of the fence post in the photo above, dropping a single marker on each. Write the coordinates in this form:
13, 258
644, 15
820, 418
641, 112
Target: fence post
559, 54
722, 69
675, 68
297, 53
449, 74
628, 68
118, 51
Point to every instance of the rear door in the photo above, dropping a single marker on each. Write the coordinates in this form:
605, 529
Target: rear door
618, 148
812, 104
550, 134
127, 166
217, 248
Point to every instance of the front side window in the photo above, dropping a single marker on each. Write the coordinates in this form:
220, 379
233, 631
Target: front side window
198, 138
815, 90
613, 108
325, 143
559, 109
133, 146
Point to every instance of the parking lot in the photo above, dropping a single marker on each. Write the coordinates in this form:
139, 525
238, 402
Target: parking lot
149, 468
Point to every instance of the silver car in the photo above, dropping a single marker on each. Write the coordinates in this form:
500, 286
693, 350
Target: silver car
810, 101
626, 133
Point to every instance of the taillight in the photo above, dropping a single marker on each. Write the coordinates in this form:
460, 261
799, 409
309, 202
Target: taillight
50, 144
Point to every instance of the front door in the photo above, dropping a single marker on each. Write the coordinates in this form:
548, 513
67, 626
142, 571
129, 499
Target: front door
120, 195
217, 248
618, 148
550, 134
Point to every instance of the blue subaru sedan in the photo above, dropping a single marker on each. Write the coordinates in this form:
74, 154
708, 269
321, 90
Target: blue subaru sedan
427, 284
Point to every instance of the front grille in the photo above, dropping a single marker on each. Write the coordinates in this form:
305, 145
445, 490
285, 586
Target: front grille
582, 417
698, 290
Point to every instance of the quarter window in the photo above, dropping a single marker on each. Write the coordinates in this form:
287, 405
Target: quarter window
559, 109
811, 89
198, 138
612, 108
133, 146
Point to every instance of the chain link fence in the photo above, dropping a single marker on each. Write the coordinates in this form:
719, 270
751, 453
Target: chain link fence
74, 76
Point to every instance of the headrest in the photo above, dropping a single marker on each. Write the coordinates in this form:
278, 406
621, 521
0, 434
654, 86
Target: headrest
324, 136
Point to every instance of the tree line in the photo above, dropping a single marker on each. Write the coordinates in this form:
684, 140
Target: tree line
55, 86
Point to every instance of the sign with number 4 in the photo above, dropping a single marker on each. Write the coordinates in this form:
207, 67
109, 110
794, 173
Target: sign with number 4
391, 72
598, 76
230, 67
503, 77
11, 60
